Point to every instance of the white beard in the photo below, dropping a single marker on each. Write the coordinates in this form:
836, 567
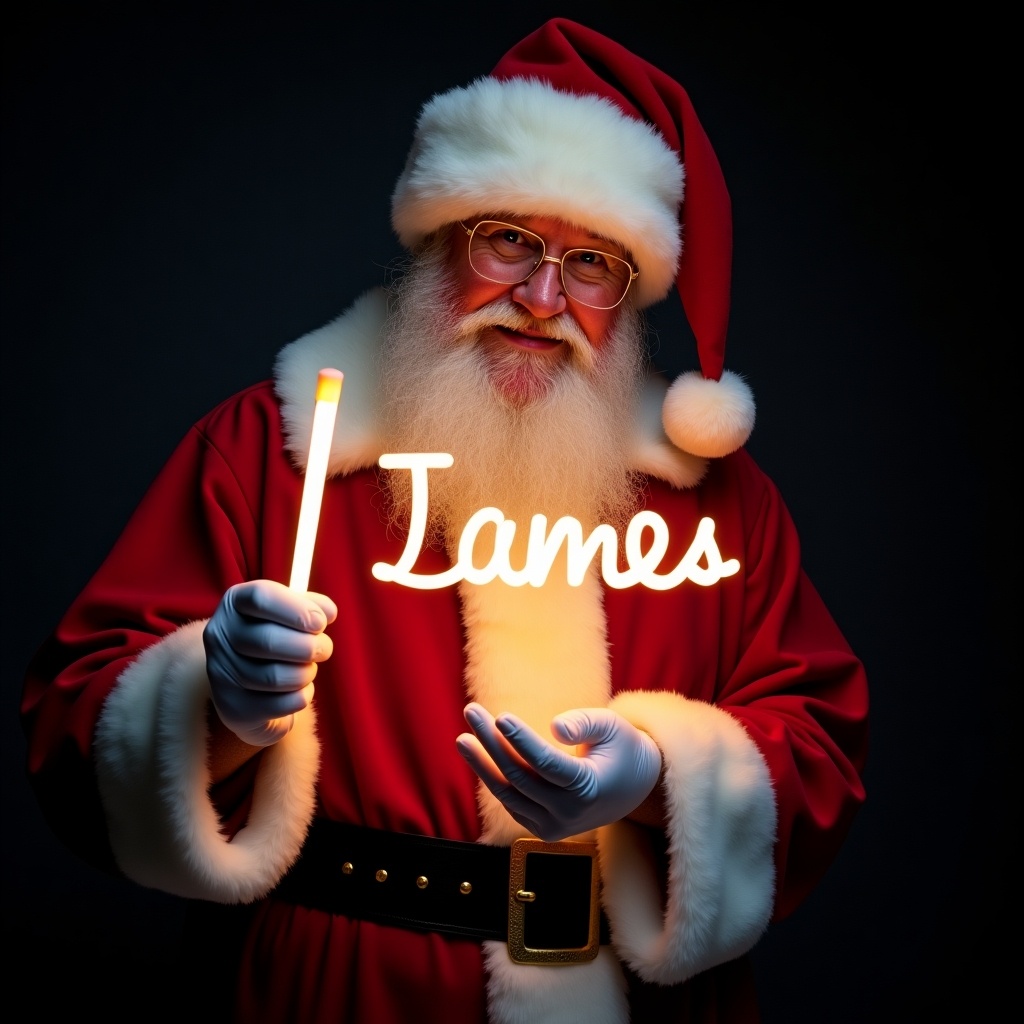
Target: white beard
550, 433
564, 449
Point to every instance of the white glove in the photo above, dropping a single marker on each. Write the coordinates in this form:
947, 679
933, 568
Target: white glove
263, 644
550, 792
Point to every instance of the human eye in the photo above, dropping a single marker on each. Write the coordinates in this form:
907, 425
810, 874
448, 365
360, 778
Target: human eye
589, 262
510, 242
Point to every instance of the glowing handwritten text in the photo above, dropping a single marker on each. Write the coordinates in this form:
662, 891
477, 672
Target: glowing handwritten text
543, 546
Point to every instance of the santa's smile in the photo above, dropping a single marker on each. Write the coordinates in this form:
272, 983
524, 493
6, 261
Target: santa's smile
533, 341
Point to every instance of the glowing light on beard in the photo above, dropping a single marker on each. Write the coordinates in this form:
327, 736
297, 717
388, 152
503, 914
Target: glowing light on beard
565, 453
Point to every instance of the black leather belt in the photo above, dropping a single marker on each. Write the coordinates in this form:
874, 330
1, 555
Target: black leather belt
541, 898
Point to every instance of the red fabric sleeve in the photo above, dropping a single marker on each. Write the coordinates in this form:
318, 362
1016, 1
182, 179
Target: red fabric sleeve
762, 646
802, 695
193, 534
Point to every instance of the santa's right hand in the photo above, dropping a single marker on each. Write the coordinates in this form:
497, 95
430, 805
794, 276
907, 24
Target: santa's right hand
263, 645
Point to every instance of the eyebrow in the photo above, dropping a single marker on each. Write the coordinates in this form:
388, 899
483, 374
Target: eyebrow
604, 244
595, 242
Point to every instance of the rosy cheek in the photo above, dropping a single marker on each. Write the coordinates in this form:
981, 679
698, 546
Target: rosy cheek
595, 327
478, 293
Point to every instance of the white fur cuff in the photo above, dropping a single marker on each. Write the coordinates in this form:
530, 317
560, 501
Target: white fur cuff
721, 831
151, 763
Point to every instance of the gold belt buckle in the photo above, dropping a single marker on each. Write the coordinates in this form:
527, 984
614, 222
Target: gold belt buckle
519, 898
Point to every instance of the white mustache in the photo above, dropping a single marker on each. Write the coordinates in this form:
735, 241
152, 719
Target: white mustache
502, 313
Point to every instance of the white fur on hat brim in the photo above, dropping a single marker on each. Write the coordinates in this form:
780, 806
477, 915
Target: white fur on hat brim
521, 147
709, 418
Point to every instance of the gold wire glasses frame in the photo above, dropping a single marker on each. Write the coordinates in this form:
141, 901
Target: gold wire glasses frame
508, 254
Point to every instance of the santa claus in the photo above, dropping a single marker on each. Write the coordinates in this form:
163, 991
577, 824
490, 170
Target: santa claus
502, 797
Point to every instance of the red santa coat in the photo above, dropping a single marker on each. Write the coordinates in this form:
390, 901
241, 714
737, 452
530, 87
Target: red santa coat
749, 688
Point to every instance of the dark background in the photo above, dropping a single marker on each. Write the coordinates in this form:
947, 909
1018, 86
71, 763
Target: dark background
187, 189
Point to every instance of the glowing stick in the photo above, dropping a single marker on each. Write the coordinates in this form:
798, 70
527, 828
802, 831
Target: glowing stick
328, 394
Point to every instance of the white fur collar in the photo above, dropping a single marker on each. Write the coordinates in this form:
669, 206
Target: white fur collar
350, 343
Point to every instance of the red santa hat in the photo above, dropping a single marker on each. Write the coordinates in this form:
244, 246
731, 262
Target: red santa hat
572, 125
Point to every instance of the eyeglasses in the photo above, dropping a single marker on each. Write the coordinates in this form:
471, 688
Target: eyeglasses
507, 254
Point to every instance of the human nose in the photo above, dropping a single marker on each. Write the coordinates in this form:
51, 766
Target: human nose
541, 293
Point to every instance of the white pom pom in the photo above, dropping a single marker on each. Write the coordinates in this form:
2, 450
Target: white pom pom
709, 418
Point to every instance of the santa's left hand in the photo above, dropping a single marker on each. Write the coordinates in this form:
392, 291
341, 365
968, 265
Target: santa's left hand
553, 793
